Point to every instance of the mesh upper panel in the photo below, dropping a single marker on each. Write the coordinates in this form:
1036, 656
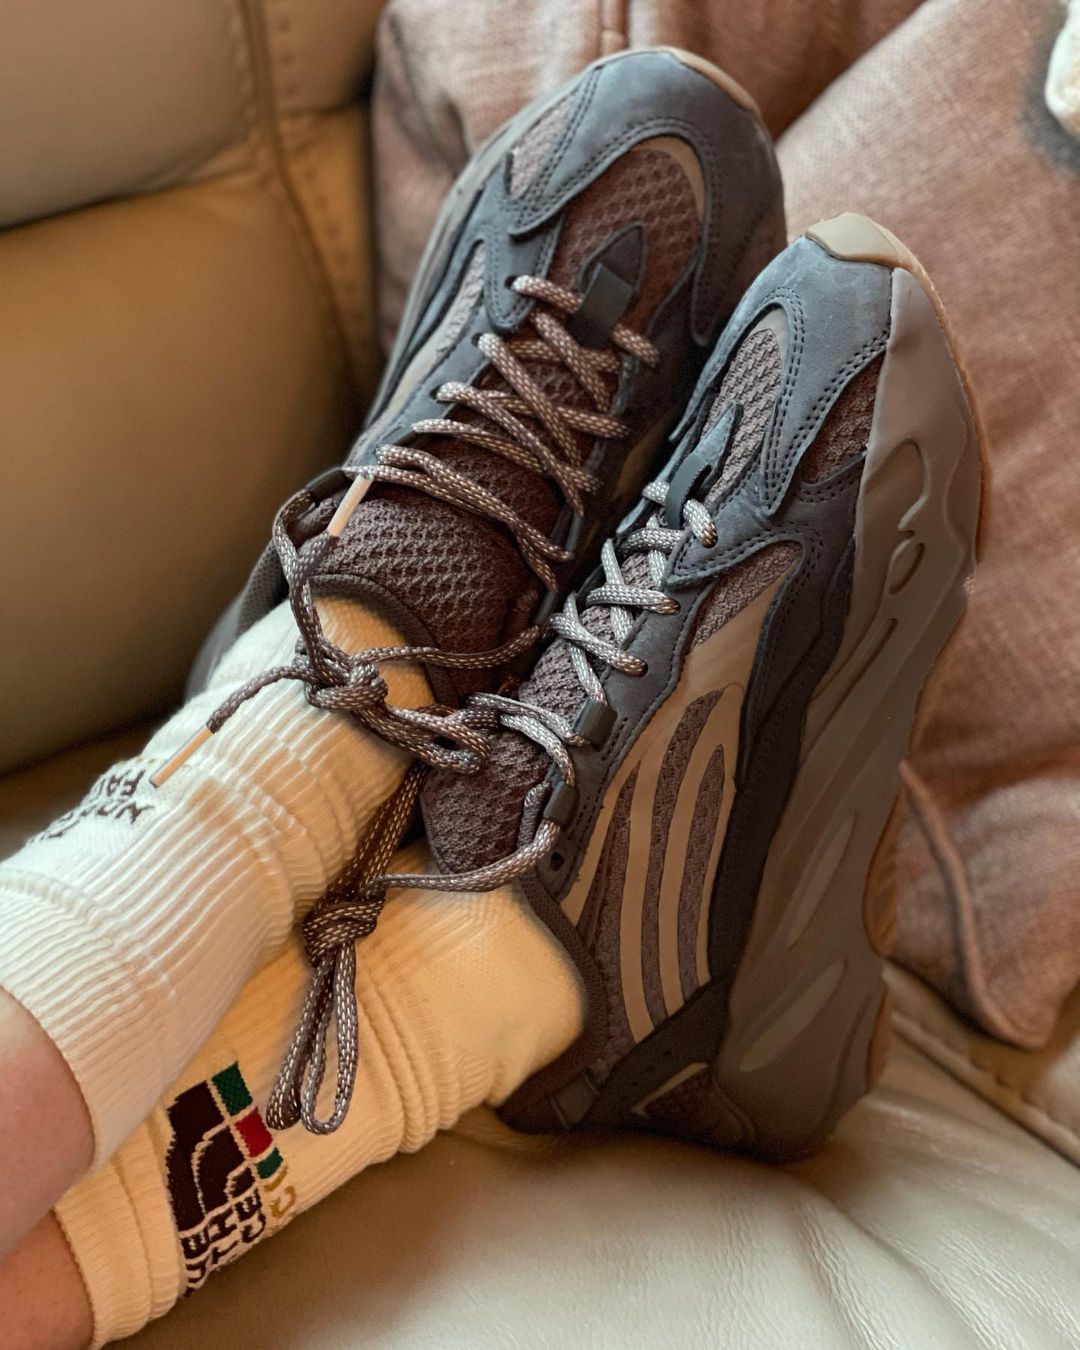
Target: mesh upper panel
741, 584
672, 772
601, 921
682, 1103
516, 764
648, 186
752, 378
461, 575
846, 429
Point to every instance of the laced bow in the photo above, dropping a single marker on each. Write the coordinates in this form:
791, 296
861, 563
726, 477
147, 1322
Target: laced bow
350, 909
519, 423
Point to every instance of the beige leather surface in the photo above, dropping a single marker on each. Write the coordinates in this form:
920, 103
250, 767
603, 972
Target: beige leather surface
99, 101
159, 398
1040, 1088
930, 1222
172, 364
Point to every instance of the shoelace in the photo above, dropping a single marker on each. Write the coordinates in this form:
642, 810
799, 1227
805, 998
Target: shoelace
520, 423
349, 911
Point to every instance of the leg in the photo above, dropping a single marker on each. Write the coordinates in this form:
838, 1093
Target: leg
461, 997
45, 1137
41, 1291
129, 926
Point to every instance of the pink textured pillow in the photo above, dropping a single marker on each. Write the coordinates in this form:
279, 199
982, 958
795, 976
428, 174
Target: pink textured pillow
439, 93
941, 133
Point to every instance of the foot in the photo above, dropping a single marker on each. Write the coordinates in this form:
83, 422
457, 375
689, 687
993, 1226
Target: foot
572, 287
695, 784
514, 420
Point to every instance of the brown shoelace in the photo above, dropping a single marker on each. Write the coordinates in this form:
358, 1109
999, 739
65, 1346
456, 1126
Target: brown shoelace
520, 423
350, 909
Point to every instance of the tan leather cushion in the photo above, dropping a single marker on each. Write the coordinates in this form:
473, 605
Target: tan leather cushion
172, 364
104, 101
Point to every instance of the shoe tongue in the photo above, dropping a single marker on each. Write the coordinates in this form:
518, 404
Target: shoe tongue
458, 580
461, 837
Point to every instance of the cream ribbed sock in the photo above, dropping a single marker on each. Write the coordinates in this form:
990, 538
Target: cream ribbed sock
131, 925
461, 998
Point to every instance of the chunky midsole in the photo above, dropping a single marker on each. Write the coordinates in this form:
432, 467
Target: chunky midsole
788, 1027
803, 1004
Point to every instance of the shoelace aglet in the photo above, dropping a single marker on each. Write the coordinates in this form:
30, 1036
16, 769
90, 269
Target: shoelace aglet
352, 499
181, 757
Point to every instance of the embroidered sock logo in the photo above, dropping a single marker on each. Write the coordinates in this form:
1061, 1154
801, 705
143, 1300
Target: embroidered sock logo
227, 1179
112, 797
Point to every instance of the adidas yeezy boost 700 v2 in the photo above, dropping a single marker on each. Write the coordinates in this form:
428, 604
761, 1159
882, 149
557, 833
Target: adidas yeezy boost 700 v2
571, 290
694, 784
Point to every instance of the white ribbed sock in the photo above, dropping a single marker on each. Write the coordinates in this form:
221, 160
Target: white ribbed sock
130, 926
1063, 74
461, 998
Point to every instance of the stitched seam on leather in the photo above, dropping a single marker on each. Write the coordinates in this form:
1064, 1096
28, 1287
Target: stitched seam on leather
1030, 1103
721, 357
538, 186
642, 131
281, 189
341, 275
249, 109
796, 316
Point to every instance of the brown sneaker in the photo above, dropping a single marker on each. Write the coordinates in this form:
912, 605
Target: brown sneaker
575, 280
695, 784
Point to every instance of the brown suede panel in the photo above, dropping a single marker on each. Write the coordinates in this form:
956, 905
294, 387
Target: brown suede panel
698, 851
600, 924
534, 147
682, 1103
672, 771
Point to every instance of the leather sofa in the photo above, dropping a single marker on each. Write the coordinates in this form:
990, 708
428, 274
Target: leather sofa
187, 328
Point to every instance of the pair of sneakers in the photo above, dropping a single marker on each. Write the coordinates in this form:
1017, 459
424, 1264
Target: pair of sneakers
677, 520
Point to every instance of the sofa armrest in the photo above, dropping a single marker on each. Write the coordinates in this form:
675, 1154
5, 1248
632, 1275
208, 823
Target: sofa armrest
186, 328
